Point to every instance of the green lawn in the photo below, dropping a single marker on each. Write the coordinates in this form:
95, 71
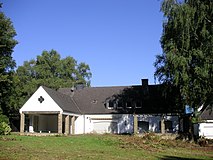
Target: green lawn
99, 147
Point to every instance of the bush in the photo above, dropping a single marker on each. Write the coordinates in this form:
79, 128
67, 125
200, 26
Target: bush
202, 141
4, 128
4, 118
4, 125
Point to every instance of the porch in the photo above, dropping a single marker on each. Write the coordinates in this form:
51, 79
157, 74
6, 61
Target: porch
47, 123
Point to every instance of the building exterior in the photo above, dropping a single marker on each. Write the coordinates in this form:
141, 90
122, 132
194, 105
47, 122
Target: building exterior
119, 110
205, 127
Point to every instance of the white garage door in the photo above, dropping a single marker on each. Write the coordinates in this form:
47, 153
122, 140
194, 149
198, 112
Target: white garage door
105, 127
206, 130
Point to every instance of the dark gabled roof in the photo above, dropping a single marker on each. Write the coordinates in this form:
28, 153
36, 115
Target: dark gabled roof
65, 102
207, 114
93, 100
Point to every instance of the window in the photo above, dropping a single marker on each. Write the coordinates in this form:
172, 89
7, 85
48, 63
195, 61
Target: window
40, 99
168, 125
128, 104
143, 126
120, 104
94, 101
110, 104
138, 104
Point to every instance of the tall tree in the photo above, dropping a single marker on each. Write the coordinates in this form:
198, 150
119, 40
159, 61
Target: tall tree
187, 43
7, 64
50, 70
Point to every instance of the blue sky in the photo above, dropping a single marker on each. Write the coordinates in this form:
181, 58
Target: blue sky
119, 39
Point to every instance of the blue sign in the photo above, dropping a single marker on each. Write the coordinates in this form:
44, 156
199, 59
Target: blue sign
189, 110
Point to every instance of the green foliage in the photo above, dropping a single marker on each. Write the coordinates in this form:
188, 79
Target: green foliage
4, 118
49, 70
187, 42
4, 125
4, 128
7, 64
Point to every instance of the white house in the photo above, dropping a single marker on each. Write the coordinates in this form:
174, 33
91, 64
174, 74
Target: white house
100, 110
205, 127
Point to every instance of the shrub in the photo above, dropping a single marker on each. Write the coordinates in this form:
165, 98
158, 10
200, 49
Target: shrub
4, 118
202, 141
4, 125
4, 128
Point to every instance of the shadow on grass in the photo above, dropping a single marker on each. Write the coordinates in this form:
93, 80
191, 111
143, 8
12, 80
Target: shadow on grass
177, 158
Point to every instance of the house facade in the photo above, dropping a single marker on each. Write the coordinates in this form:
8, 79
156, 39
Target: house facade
101, 110
205, 127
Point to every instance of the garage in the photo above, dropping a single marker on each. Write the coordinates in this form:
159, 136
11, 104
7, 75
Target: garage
103, 126
204, 130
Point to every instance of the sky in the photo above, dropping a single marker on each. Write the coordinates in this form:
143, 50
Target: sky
118, 39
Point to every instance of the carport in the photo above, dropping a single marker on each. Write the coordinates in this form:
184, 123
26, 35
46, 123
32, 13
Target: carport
47, 122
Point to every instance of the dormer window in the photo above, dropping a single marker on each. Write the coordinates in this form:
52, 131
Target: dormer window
138, 104
128, 104
110, 104
94, 101
120, 104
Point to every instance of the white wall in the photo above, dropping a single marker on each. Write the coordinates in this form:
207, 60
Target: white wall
34, 105
125, 124
83, 124
106, 123
79, 125
86, 123
155, 120
204, 129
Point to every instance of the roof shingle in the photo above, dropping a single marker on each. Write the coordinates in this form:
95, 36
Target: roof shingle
92, 100
64, 101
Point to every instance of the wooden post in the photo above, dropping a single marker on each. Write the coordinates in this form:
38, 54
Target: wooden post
67, 124
73, 124
60, 123
22, 122
135, 124
163, 124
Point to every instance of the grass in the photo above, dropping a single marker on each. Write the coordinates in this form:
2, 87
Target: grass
103, 147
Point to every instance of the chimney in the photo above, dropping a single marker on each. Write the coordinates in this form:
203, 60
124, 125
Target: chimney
145, 86
145, 82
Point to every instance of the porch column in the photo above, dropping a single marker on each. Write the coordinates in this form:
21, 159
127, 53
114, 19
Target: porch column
67, 124
59, 123
135, 124
22, 121
73, 124
163, 124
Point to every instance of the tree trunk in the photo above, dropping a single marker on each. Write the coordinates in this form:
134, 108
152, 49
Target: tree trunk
191, 130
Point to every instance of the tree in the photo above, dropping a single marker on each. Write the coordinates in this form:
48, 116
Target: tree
7, 64
187, 43
51, 71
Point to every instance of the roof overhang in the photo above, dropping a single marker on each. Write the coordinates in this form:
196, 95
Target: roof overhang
41, 112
